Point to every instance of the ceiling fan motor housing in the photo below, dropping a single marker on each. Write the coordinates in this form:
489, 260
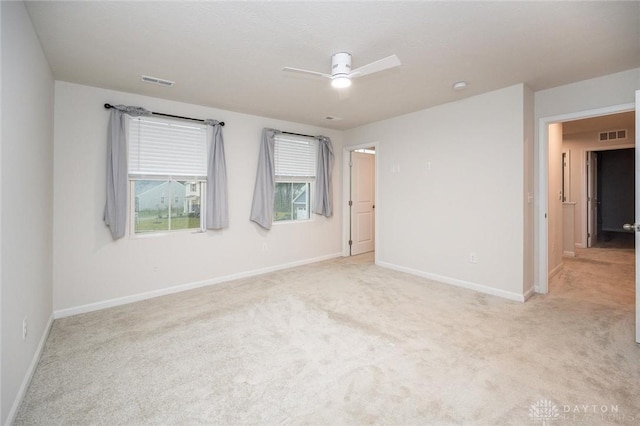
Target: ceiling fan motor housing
341, 64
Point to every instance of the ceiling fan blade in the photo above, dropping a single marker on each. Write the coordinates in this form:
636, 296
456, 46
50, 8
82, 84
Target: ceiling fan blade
307, 72
380, 65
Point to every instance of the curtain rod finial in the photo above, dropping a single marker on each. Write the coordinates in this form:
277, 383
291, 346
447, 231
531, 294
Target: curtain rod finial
107, 106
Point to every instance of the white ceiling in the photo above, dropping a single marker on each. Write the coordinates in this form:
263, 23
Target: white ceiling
229, 55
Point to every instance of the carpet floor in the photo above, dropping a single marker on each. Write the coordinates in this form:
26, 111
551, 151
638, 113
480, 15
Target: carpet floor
347, 342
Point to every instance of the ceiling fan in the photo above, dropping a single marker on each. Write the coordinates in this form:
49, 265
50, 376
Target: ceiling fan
341, 73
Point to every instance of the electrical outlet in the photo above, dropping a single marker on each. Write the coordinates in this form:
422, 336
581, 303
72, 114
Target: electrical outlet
473, 258
24, 328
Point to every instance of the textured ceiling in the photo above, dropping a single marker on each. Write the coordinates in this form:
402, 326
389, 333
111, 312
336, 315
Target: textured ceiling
229, 55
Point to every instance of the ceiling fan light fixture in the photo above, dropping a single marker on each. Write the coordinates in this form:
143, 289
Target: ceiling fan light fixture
341, 72
340, 81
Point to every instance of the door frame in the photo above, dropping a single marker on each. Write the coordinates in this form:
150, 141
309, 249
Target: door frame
591, 198
541, 260
346, 190
362, 166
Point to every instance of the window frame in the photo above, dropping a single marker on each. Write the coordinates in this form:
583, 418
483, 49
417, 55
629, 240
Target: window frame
133, 178
133, 214
310, 194
309, 180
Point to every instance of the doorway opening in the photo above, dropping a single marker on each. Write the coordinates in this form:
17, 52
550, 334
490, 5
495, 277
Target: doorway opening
587, 274
360, 189
591, 187
549, 190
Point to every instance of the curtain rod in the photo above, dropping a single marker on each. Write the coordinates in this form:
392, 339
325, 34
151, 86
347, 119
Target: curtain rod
298, 134
109, 106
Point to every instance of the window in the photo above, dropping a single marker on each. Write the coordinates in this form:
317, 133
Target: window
295, 170
291, 201
167, 174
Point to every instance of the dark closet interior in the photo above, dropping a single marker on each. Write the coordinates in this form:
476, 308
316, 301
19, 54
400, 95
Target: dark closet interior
616, 189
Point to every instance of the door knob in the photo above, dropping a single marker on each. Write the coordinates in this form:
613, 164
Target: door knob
629, 227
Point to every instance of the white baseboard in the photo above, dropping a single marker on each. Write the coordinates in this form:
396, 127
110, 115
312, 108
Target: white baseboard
456, 282
62, 313
555, 270
569, 253
29, 375
529, 293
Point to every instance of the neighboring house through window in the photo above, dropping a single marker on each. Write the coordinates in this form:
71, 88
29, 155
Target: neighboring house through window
167, 174
295, 171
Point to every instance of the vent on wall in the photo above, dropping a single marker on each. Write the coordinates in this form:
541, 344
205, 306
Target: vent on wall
158, 81
613, 135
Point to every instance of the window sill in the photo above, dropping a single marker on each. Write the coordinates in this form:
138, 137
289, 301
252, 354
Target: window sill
289, 222
166, 233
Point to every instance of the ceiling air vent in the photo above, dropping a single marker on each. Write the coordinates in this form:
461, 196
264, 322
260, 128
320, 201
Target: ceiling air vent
613, 135
158, 81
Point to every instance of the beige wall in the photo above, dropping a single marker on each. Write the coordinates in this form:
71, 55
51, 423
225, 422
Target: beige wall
555, 200
26, 200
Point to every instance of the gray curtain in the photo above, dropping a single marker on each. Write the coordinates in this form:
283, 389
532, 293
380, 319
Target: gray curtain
217, 210
323, 203
265, 187
115, 210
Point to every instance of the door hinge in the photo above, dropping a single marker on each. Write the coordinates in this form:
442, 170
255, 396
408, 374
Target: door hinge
350, 203
350, 164
350, 242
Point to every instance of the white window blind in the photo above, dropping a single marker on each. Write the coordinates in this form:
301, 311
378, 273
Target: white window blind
166, 148
295, 157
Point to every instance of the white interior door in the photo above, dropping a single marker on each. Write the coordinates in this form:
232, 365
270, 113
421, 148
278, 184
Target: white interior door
362, 202
592, 198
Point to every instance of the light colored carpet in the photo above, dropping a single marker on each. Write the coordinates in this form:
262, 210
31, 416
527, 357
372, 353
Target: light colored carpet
347, 342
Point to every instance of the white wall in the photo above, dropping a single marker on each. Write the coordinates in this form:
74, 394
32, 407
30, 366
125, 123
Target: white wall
571, 101
610, 90
470, 200
26, 224
528, 191
90, 268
